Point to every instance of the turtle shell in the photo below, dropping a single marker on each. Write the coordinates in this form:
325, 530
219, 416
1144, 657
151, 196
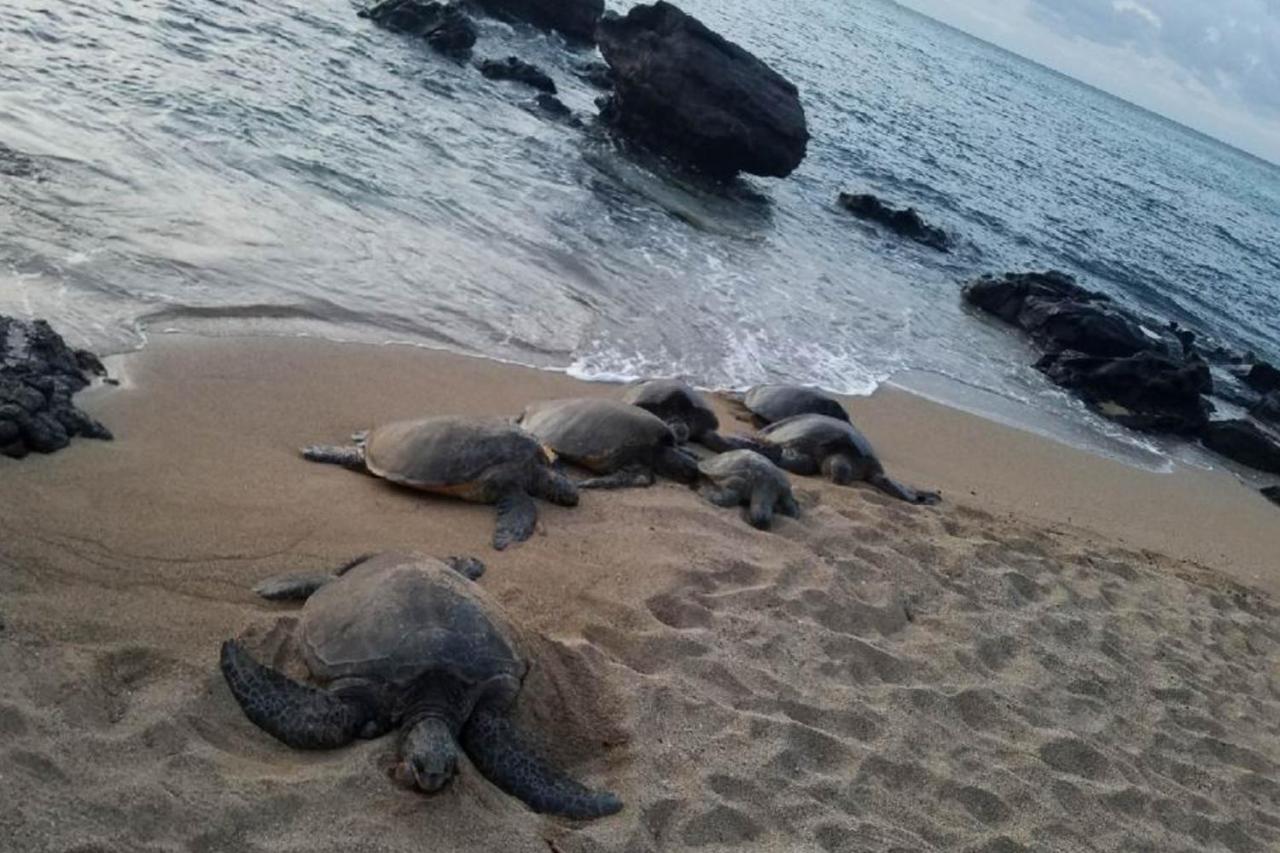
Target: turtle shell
773, 403
396, 617
452, 455
743, 467
600, 434
818, 436
674, 401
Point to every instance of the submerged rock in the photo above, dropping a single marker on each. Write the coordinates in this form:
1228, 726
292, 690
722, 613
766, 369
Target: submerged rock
574, 19
905, 223
445, 26
39, 374
685, 91
517, 70
1272, 493
1146, 391
554, 108
1246, 443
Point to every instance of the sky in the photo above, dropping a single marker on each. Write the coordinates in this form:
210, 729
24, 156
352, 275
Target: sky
1211, 64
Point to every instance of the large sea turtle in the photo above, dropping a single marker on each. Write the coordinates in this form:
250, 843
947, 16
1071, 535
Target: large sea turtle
817, 444
687, 412
624, 444
769, 404
403, 641
482, 460
744, 477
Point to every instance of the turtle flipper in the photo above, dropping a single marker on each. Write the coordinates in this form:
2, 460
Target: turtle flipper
726, 498
291, 587
717, 443
676, 464
348, 457
787, 506
890, 486
302, 717
760, 511
517, 517
627, 478
495, 747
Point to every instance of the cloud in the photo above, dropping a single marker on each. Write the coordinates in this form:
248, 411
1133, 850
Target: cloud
1212, 65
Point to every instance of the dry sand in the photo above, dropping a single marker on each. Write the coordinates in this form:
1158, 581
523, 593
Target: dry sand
1066, 655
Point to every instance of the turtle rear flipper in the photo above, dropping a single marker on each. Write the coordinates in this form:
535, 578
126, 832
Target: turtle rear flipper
348, 457
517, 518
627, 478
890, 486
302, 717
495, 747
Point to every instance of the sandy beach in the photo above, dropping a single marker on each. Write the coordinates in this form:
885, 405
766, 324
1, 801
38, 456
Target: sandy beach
1067, 654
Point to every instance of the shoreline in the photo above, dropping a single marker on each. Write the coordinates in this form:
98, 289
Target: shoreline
1014, 669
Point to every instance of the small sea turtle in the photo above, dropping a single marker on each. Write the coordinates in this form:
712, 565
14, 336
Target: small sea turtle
769, 404
402, 641
624, 443
481, 460
687, 412
813, 444
745, 477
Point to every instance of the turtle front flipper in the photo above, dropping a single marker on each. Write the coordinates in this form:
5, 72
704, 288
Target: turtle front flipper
890, 486
517, 517
627, 478
348, 457
291, 587
717, 443
676, 464
495, 747
722, 497
302, 717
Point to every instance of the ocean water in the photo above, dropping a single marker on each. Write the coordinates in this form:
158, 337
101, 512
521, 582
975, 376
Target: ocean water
224, 166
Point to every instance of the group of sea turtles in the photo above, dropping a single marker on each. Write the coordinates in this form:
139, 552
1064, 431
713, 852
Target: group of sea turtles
400, 641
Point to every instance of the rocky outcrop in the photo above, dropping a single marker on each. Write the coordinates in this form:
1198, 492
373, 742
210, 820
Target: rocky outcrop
1263, 378
685, 91
904, 222
1272, 493
597, 74
517, 70
1246, 443
39, 374
1269, 409
444, 26
1146, 391
576, 20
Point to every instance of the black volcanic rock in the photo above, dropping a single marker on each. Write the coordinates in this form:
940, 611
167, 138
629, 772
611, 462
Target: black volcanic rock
574, 19
1005, 297
685, 91
517, 70
39, 374
445, 26
1272, 493
597, 74
1269, 409
1244, 442
1263, 377
903, 222
1147, 391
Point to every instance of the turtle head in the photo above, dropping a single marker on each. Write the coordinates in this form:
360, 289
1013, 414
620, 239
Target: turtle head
429, 756
681, 431
839, 468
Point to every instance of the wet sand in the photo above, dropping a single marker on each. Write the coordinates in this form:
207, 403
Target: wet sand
1067, 654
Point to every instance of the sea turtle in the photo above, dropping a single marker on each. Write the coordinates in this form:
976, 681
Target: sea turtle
623, 443
813, 444
403, 641
686, 411
769, 404
482, 460
745, 477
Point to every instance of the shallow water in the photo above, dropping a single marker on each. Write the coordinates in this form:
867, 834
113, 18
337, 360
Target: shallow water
224, 166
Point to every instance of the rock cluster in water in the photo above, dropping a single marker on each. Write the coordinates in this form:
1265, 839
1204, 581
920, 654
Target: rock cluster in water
1144, 375
444, 25
517, 70
39, 374
904, 222
576, 20
685, 91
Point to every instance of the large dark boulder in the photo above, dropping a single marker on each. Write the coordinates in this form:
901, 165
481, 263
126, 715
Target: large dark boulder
444, 26
39, 374
903, 222
1244, 442
685, 91
1148, 391
574, 19
1263, 377
1272, 493
517, 70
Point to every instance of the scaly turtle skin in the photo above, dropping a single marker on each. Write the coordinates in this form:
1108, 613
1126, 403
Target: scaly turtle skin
481, 460
769, 404
623, 443
687, 412
402, 641
813, 444
744, 477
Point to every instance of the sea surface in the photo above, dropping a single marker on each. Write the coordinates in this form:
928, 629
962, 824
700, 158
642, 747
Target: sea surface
225, 167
